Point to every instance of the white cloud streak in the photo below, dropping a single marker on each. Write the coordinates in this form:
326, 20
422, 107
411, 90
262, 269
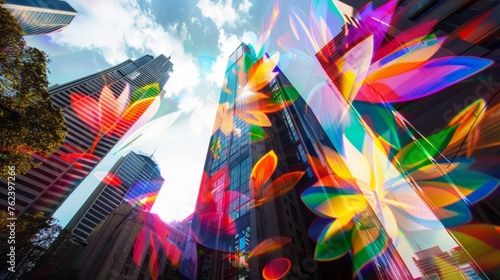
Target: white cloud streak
223, 13
119, 29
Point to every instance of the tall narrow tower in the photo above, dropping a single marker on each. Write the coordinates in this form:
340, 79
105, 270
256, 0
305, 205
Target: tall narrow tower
250, 219
135, 178
99, 109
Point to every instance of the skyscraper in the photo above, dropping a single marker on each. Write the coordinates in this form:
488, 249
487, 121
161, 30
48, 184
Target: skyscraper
251, 220
40, 17
128, 244
428, 105
135, 178
433, 263
99, 109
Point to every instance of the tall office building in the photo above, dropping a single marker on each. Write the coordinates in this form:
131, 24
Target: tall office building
99, 109
465, 29
40, 17
250, 220
136, 179
434, 264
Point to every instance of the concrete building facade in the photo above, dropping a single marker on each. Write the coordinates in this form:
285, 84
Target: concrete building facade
139, 181
92, 133
38, 17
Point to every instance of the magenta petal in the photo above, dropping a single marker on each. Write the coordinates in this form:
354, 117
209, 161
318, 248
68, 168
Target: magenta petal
431, 77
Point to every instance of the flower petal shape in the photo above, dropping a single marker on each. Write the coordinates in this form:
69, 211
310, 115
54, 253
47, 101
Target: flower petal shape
405, 36
256, 117
262, 171
328, 18
337, 227
335, 247
269, 19
378, 20
300, 30
261, 73
489, 129
319, 169
276, 269
338, 165
381, 121
149, 130
425, 80
140, 100
367, 243
112, 180
87, 109
111, 108
257, 134
481, 242
279, 187
440, 193
153, 259
353, 68
434, 171
330, 202
145, 92
418, 153
140, 245
269, 245
405, 58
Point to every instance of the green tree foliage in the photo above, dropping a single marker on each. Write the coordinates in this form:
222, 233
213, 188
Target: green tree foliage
40, 129
33, 234
57, 262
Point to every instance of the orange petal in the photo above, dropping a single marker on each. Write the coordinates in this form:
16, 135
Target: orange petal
269, 245
433, 171
337, 164
260, 74
110, 107
262, 171
466, 120
440, 193
490, 129
133, 112
363, 238
87, 109
280, 186
318, 167
256, 118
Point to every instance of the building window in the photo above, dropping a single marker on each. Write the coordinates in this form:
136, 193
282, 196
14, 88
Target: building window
464, 15
427, 10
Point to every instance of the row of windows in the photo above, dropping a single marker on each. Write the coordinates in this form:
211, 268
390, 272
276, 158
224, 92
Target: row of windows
464, 15
34, 30
28, 17
39, 179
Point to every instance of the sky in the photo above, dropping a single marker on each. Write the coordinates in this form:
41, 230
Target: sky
199, 35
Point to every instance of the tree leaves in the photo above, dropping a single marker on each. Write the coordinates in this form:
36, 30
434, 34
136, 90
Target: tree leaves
23, 89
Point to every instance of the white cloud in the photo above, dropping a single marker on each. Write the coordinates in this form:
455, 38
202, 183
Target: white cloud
121, 28
245, 6
222, 12
195, 20
189, 103
227, 44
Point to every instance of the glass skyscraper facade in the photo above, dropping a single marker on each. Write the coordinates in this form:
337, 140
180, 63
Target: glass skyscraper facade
40, 17
250, 220
137, 180
96, 118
